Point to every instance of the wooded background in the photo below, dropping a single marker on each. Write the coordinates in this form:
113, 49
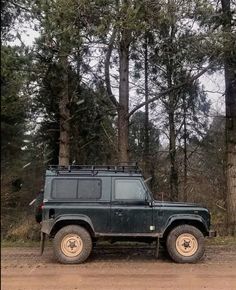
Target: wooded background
109, 81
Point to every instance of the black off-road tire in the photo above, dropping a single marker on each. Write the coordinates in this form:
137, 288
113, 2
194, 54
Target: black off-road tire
172, 248
78, 231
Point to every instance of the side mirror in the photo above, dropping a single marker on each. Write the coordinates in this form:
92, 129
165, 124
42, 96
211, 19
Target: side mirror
148, 199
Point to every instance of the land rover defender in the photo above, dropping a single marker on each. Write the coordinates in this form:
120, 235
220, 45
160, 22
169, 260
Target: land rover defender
82, 204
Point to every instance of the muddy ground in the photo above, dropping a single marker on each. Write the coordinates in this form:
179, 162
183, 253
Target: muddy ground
118, 267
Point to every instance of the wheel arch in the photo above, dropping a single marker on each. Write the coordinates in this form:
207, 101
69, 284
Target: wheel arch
197, 223
69, 221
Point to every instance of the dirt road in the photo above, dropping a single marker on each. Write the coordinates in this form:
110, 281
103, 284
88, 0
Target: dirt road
117, 268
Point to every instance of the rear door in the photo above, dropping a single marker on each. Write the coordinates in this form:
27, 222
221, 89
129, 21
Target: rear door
130, 211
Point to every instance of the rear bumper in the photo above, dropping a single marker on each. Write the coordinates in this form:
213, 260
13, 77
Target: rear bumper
212, 234
47, 226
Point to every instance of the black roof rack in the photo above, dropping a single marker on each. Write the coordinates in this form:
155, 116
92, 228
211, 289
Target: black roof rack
120, 167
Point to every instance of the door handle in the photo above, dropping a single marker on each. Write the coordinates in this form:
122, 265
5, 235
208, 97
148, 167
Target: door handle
118, 213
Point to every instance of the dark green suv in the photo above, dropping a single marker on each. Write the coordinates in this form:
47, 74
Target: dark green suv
84, 203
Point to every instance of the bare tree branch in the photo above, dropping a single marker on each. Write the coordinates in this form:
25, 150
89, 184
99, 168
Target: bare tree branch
17, 5
174, 88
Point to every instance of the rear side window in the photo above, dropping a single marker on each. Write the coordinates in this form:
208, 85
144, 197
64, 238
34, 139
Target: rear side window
89, 189
64, 188
82, 189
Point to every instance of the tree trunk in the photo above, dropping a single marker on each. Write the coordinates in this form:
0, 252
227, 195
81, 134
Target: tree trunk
230, 102
107, 68
64, 141
174, 192
147, 161
123, 107
146, 124
78, 92
185, 151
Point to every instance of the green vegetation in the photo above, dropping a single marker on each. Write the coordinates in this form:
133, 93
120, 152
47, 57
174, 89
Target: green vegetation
222, 241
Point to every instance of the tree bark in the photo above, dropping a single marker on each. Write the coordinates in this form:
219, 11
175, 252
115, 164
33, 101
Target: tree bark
107, 68
230, 104
123, 108
146, 124
64, 111
174, 192
185, 149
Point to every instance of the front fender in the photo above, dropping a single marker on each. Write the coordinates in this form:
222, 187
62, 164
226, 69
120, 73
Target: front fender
49, 225
187, 219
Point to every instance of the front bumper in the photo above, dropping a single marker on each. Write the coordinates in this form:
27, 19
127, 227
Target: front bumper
212, 234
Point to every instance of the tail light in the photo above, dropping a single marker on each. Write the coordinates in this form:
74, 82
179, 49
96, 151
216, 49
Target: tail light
41, 205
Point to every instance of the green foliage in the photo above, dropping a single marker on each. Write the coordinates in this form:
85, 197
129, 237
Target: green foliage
90, 121
137, 137
14, 103
9, 14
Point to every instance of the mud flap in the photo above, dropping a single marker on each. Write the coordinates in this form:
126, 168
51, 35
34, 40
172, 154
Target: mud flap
42, 242
157, 248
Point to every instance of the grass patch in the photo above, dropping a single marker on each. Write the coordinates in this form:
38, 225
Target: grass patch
24, 243
19, 243
19, 227
222, 241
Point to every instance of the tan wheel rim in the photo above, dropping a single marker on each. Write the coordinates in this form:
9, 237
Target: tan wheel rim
186, 245
71, 245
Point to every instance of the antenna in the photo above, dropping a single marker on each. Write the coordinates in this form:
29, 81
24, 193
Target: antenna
148, 179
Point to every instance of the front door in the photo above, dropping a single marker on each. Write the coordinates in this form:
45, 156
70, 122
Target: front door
130, 211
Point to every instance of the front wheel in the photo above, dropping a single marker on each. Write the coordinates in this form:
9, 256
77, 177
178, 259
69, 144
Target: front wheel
72, 244
185, 244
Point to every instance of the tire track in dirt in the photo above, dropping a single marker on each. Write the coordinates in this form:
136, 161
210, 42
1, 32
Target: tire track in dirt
117, 268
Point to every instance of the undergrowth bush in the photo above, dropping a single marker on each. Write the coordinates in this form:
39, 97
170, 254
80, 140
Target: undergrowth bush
19, 224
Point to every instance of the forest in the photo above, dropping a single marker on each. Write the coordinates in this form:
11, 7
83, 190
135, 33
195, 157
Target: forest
119, 81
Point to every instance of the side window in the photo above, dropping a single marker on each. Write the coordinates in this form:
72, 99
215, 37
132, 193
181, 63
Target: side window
89, 189
82, 189
64, 188
129, 189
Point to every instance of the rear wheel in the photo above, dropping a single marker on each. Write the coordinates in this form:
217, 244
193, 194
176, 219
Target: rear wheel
72, 244
185, 244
